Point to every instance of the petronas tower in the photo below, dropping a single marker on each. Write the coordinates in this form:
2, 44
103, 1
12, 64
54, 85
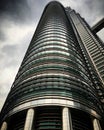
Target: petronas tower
60, 83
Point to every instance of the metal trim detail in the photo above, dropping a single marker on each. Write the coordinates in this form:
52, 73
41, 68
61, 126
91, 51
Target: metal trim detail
53, 101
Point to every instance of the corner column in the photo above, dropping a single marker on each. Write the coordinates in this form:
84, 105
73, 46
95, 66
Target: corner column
4, 126
96, 124
29, 119
66, 119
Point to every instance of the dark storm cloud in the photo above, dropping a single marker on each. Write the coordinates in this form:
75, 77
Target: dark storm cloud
14, 8
22, 10
19, 12
12, 12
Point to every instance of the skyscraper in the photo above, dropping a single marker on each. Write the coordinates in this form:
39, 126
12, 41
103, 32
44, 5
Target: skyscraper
58, 86
92, 43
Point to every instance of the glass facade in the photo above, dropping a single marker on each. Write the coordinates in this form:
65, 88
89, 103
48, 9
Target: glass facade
93, 45
54, 72
48, 118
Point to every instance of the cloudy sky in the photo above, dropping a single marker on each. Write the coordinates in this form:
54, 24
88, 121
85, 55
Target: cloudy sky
18, 21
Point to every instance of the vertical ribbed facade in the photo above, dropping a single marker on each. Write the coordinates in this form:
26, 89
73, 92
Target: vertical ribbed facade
55, 88
92, 44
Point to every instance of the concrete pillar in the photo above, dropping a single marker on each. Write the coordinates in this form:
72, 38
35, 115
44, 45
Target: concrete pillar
96, 124
29, 119
4, 126
66, 119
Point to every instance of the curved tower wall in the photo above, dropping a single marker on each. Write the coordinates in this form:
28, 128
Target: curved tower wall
53, 74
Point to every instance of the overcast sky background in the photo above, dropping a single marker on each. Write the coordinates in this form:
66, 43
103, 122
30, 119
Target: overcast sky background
18, 21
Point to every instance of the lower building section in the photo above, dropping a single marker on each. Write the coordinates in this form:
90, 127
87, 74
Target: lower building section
81, 120
51, 118
48, 118
17, 121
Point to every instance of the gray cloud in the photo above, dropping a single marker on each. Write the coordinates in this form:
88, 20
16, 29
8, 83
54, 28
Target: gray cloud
19, 12
92, 10
14, 8
2, 35
22, 10
9, 49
